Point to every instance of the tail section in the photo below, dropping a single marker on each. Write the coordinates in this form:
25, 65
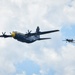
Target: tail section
38, 36
37, 32
37, 29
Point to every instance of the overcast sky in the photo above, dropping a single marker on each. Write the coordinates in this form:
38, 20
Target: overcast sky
47, 57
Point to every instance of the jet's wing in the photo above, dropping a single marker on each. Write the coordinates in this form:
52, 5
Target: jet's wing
41, 33
45, 32
5, 36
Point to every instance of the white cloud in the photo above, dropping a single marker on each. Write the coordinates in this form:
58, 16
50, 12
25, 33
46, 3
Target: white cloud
69, 14
62, 62
68, 53
34, 74
6, 67
66, 65
69, 70
23, 73
24, 14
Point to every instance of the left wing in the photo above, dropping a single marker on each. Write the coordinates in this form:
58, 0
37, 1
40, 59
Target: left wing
45, 32
41, 33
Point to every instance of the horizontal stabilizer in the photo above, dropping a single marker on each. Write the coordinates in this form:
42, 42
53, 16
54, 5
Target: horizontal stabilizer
43, 38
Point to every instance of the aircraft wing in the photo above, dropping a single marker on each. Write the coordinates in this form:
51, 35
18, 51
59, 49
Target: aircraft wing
41, 33
5, 36
45, 32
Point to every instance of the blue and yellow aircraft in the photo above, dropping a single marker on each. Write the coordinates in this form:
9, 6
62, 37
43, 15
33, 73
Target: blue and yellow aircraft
28, 37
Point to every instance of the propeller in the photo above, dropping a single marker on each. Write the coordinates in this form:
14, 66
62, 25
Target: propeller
10, 33
28, 32
3, 33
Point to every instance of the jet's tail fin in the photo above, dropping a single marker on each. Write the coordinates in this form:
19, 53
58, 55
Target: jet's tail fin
37, 29
43, 38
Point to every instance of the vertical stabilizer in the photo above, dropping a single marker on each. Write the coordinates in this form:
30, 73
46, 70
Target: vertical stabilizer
37, 32
37, 29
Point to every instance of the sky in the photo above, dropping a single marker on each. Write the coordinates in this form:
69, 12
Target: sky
47, 57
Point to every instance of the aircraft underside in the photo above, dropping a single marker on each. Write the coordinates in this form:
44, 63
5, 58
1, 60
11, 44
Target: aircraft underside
26, 39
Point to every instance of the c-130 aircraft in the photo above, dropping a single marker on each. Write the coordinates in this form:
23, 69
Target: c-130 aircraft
28, 37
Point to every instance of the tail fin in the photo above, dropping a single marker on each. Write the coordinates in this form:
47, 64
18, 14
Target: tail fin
37, 29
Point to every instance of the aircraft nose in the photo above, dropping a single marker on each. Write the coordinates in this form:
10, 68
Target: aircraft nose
13, 34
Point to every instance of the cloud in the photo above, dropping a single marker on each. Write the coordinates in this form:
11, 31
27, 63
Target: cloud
69, 13
22, 15
61, 62
23, 73
66, 65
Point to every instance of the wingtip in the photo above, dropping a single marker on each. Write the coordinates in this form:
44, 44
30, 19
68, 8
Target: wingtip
58, 30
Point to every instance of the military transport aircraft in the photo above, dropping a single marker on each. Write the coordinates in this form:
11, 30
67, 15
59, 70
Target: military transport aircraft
28, 37
69, 40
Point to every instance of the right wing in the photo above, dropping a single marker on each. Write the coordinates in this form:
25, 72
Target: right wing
4, 35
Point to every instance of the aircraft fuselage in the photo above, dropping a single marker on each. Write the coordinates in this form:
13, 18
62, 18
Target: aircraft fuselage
24, 38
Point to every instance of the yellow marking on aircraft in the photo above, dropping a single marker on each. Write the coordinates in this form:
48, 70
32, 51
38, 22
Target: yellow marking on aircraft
13, 34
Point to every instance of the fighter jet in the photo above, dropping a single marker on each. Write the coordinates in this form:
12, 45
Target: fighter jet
28, 37
69, 40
